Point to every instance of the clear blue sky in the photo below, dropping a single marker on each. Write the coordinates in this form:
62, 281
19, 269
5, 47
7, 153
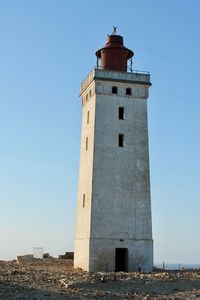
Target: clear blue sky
46, 49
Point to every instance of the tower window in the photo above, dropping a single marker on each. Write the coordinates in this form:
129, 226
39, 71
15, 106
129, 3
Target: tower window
83, 200
86, 97
128, 91
121, 113
86, 144
121, 142
90, 93
114, 90
88, 117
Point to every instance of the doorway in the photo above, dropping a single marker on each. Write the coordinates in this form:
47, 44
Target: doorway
121, 259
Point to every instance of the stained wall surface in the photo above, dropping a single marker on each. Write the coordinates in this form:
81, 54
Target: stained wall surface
115, 180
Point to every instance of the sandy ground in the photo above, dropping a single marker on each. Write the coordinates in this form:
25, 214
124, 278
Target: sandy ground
54, 279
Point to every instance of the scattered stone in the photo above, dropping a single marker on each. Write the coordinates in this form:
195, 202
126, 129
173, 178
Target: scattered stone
103, 279
17, 272
63, 283
52, 278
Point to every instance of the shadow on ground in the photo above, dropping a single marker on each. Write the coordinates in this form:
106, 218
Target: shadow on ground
17, 292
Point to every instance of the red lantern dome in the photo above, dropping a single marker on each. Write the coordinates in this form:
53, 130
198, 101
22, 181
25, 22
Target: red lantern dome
114, 54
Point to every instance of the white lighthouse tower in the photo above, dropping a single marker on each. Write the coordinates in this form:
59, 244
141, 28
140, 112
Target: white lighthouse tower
114, 231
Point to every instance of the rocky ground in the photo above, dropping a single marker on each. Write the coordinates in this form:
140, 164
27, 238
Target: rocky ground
52, 279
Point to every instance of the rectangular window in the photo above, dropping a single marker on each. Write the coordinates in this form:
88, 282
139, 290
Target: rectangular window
128, 91
114, 90
121, 142
86, 144
88, 117
83, 200
121, 113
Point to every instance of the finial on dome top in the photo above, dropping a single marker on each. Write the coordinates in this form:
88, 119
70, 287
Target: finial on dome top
114, 30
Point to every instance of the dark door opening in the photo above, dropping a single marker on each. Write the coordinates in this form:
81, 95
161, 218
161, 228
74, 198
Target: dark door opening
121, 259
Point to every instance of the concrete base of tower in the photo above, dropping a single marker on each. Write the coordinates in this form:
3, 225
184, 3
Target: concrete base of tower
112, 255
81, 254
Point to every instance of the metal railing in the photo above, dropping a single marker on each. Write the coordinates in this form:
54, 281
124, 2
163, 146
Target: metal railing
99, 67
140, 72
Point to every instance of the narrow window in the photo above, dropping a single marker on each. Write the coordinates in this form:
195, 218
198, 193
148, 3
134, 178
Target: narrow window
90, 93
114, 90
121, 142
88, 117
83, 200
121, 113
86, 144
128, 91
86, 97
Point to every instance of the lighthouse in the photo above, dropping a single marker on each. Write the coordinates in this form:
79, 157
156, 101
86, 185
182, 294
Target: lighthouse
114, 228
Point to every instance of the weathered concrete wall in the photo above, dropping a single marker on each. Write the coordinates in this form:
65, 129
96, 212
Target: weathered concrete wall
116, 179
81, 253
86, 167
102, 254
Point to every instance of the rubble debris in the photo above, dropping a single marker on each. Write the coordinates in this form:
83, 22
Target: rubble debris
52, 278
103, 279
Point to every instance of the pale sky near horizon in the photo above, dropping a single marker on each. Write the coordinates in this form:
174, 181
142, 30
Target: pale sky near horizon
46, 49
